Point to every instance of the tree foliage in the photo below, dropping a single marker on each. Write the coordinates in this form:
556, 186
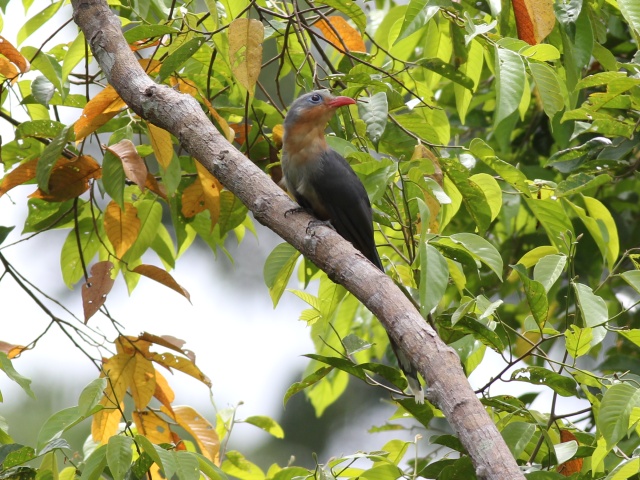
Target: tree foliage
499, 145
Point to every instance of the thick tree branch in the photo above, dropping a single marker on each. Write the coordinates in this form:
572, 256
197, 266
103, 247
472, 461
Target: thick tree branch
183, 117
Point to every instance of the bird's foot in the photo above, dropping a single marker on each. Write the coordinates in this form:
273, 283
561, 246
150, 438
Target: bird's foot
294, 210
319, 223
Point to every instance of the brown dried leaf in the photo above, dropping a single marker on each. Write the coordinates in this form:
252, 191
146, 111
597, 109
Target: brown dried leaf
347, 37
12, 53
122, 227
170, 361
161, 276
19, 175
245, 51
161, 144
100, 109
152, 426
134, 167
535, 19
169, 341
574, 465
200, 429
96, 289
70, 178
152, 184
193, 200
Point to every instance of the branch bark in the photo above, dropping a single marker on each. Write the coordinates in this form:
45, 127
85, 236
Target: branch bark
183, 117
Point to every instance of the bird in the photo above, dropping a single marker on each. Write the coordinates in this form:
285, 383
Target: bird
324, 184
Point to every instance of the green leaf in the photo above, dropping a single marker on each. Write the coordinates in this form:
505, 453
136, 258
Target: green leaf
508, 172
72, 57
278, 269
509, 83
267, 424
615, 409
553, 219
578, 340
186, 465
593, 307
548, 84
434, 277
630, 9
143, 32
472, 68
7, 367
211, 470
238, 466
481, 250
565, 451
422, 412
632, 277
564, 386
548, 270
536, 296
417, 15
113, 177
57, 424
38, 20
580, 182
4, 232
374, 114
341, 364
43, 90
50, 156
626, 469
95, 464
149, 449
492, 192
309, 380
18, 457
447, 70
517, 435
39, 128
351, 9
472, 195
474, 30
353, 344
70, 261
177, 59
48, 65
91, 396
119, 455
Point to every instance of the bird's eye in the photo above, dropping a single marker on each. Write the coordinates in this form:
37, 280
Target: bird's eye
315, 97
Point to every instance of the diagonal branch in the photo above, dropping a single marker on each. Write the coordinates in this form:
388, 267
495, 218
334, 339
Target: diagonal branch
182, 116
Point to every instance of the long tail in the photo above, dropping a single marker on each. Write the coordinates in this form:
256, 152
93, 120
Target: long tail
403, 360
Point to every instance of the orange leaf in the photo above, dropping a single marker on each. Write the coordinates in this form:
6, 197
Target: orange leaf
161, 144
200, 429
276, 135
152, 184
12, 350
122, 228
182, 364
70, 178
241, 132
228, 133
574, 465
19, 175
100, 109
193, 199
341, 35
132, 163
152, 426
106, 422
211, 188
535, 19
8, 70
142, 44
150, 66
94, 292
12, 53
164, 393
161, 276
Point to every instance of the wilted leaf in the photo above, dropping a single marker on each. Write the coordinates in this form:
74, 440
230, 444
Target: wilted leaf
161, 276
164, 393
132, 163
341, 35
100, 109
95, 290
69, 178
192, 200
11, 350
569, 467
245, 51
200, 429
122, 227
8, 70
534, 19
14, 56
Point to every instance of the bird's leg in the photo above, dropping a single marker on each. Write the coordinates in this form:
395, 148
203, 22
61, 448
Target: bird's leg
320, 223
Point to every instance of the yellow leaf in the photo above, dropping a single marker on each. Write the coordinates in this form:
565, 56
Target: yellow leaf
276, 135
164, 393
143, 383
161, 276
153, 427
132, 163
150, 66
100, 109
161, 144
105, 423
119, 369
228, 133
182, 364
245, 51
8, 70
13, 55
535, 19
211, 189
341, 35
193, 199
200, 429
132, 345
122, 227
12, 350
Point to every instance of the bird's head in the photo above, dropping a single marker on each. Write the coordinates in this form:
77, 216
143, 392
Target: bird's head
314, 108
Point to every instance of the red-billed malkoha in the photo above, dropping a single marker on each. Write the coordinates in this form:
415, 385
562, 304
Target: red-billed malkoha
323, 183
